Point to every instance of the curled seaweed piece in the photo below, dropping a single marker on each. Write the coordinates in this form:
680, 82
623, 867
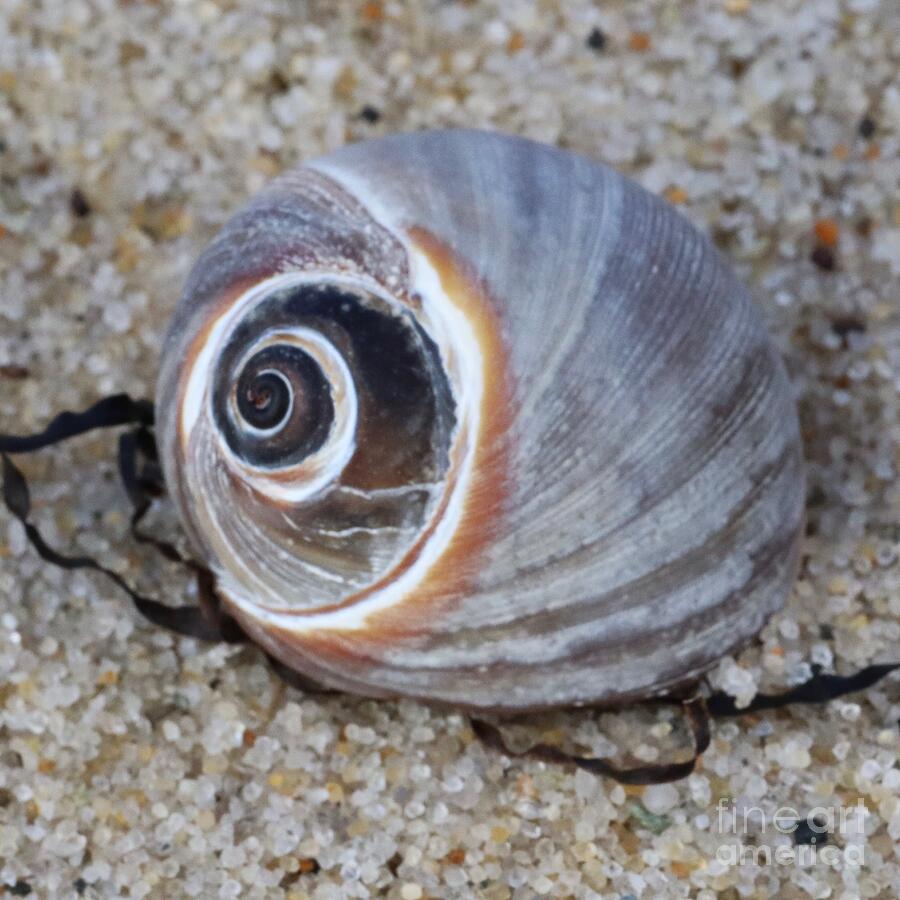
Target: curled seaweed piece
698, 720
203, 622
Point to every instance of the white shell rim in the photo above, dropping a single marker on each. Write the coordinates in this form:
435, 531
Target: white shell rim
461, 353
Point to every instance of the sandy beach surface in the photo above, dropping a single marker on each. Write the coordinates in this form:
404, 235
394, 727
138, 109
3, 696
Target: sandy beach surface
137, 764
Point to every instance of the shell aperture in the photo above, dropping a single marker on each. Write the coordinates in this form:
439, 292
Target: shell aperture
459, 416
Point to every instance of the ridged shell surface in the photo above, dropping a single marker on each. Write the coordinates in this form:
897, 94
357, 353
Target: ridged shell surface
535, 447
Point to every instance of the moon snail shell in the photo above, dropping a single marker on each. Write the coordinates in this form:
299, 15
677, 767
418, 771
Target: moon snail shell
462, 417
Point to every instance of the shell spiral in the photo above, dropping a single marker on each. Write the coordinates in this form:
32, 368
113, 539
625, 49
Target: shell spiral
459, 416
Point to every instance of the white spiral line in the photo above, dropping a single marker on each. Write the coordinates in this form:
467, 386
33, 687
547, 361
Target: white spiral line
319, 469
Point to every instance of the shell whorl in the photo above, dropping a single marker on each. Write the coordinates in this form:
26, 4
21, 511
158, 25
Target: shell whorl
562, 463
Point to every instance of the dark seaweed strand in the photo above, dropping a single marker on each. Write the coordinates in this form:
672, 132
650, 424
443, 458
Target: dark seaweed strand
117, 409
698, 720
142, 479
143, 486
203, 622
700, 711
820, 688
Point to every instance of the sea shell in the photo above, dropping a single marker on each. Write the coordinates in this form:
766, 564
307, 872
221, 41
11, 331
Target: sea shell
459, 416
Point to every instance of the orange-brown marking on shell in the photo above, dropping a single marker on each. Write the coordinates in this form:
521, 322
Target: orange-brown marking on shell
218, 309
451, 575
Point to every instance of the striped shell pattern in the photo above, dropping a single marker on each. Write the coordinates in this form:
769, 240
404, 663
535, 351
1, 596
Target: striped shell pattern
462, 417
